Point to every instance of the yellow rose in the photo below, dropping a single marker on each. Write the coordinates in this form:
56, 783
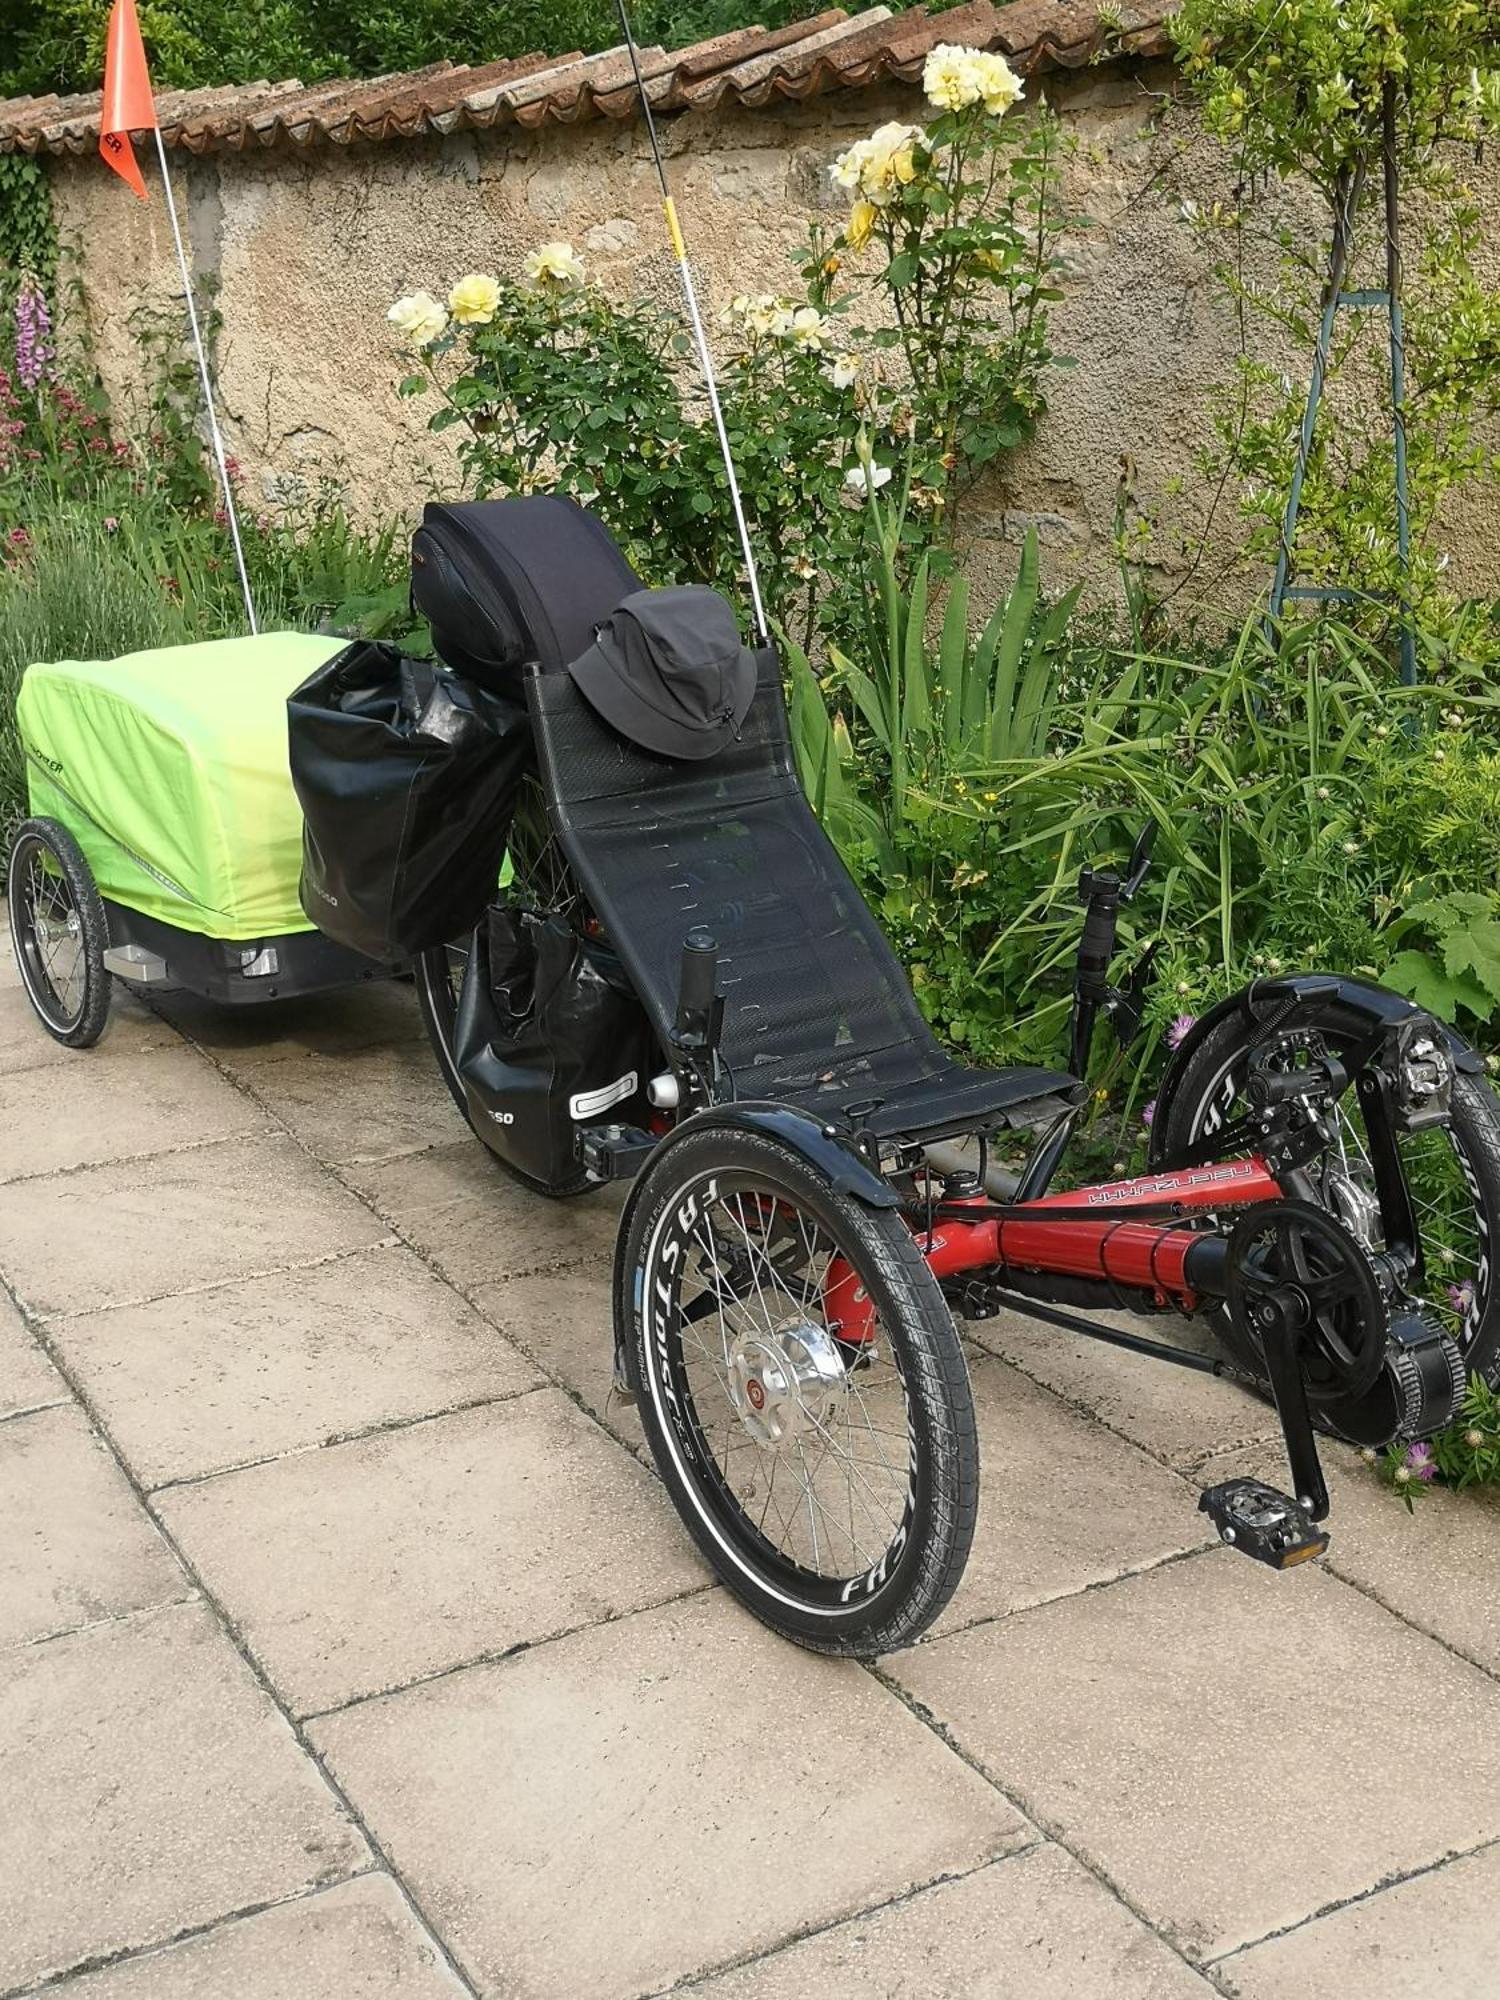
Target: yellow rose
860, 224
474, 300
419, 317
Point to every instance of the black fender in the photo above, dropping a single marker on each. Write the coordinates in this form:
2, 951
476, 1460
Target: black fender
822, 1146
1345, 1005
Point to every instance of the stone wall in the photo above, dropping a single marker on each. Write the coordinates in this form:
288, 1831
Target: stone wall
309, 250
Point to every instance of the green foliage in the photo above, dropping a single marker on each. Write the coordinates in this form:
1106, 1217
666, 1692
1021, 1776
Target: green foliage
192, 42
1466, 1454
1302, 90
28, 232
1298, 87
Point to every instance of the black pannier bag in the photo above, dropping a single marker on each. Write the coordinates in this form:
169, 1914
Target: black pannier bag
407, 777
549, 1038
502, 582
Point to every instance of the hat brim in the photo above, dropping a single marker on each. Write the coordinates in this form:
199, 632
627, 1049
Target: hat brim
596, 679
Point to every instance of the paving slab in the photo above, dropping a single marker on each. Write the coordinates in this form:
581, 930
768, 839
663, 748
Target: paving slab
376, 1014
1062, 1502
1436, 1934
1437, 1567
141, 1229
563, 1319
645, 1800
356, 1941
25, 1044
28, 1381
369, 1565
1035, 1925
78, 1545
477, 1224
1232, 1747
86, 1112
150, 1787
370, 1104
1178, 1415
283, 1363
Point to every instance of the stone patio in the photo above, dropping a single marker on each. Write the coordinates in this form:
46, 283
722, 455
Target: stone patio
349, 1647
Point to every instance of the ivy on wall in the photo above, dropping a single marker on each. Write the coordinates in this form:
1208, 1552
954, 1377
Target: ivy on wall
28, 232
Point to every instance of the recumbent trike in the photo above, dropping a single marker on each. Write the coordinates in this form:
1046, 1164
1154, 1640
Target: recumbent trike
1325, 1157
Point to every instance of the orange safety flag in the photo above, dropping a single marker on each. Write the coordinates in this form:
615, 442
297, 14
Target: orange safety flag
127, 105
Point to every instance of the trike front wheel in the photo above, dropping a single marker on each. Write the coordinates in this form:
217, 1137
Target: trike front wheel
802, 1388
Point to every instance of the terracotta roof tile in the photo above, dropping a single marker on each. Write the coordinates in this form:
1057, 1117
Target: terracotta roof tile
752, 66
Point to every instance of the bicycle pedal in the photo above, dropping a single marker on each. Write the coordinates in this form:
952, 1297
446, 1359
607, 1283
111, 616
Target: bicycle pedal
1258, 1521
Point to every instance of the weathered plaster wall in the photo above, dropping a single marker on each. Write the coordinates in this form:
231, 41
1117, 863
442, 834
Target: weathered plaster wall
309, 251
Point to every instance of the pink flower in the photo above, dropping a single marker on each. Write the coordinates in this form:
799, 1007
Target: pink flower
1461, 1298
1420, 1462
111, 524
1149, 1114
1180, 1029
19, 539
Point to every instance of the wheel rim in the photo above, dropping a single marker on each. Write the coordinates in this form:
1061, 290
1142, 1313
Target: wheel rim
781, 1393
49, 936
1445, 1194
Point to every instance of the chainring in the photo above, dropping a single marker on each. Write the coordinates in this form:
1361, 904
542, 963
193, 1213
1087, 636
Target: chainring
1373, 1374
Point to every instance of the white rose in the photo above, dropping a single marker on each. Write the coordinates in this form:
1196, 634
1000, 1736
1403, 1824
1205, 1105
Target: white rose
809, 328
855, 480
845, 372
999, 85
950, 77
554, 267
419, 317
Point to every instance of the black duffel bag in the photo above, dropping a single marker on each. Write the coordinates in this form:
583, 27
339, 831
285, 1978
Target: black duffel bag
407, 777
549, 1038
501, 582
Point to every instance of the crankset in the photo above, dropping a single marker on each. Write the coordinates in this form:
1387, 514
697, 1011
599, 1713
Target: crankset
1367, 1360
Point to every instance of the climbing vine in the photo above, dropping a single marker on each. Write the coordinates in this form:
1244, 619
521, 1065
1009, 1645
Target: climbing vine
28, 232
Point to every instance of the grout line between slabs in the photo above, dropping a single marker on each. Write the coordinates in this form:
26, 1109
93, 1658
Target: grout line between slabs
497, 1656
361, 1434
130, 1953
187, 1146
252, 1666
690, 1981
35, 1409
1358, 1896
45, 1319
1049, 1830
136, 1613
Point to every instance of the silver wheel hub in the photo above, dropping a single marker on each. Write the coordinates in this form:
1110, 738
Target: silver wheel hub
788, 1384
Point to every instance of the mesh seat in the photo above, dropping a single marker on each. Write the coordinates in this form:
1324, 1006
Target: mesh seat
817, 1010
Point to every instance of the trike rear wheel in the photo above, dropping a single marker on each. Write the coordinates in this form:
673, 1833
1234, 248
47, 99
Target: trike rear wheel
60, 932
1453, 1171
802, 1387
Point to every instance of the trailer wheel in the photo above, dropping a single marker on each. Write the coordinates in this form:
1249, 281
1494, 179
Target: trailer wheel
60, 932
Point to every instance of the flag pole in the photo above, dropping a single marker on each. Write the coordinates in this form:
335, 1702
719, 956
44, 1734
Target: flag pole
700, 338
204, 377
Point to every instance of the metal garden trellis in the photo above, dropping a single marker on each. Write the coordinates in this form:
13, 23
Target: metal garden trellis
1335, 300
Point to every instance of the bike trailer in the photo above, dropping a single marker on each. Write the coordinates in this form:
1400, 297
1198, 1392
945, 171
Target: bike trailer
164, 829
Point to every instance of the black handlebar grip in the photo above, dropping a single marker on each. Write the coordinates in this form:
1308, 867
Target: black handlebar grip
1097, 946
699, 983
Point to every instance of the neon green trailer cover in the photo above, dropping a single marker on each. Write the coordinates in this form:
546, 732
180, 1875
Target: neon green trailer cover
169, 768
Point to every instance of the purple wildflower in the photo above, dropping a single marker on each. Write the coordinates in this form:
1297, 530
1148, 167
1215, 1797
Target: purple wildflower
1180, 1029
1420, 1462
1461, 1298
1148, 1114
34, 350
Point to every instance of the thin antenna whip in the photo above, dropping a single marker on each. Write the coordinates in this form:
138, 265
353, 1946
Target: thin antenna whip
700, 338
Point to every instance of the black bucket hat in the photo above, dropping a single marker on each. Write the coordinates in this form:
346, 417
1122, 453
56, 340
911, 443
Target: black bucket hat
667, 670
